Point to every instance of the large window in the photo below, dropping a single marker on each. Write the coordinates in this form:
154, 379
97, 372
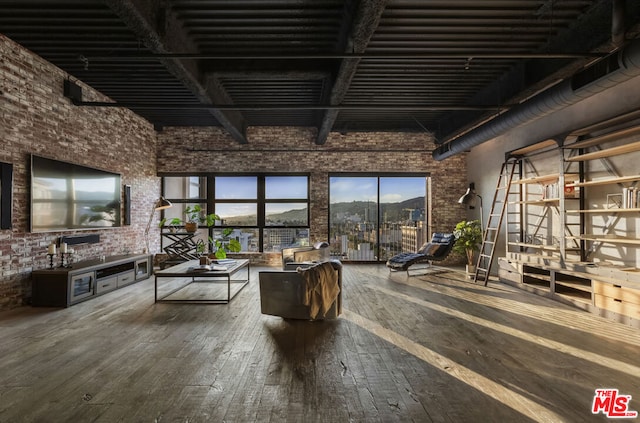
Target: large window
374, 217
267, 212
286, 212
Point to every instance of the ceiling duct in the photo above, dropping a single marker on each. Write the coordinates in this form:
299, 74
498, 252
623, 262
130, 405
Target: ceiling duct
612, 70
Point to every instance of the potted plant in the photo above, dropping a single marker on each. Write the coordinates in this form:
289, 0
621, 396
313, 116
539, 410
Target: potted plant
195, 216
468, 235
225, 244
172, 224
221, 246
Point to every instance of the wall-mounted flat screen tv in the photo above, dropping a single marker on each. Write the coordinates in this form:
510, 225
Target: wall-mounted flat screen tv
67, 196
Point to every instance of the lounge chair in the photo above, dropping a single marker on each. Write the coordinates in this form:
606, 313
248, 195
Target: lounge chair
437, 249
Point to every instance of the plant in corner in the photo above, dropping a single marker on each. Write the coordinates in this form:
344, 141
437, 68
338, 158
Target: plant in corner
468, 235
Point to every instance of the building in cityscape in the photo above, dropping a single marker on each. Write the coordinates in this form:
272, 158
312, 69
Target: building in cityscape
413, 237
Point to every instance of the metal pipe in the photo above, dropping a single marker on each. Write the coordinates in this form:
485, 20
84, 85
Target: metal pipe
555, 98
618, 26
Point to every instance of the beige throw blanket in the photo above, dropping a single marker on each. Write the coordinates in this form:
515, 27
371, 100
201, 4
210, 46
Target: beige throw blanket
321, 288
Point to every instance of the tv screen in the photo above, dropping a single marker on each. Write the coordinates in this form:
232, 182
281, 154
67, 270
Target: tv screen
68, 196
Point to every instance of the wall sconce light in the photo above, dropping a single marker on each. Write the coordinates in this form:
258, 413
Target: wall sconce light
469, 199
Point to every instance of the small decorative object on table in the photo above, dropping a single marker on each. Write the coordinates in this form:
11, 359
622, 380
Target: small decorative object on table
65, 259
51, 252
65, 255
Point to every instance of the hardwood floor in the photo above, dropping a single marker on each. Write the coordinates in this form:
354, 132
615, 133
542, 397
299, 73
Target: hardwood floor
431, 348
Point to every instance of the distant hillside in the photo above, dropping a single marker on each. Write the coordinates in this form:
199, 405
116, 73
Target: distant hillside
291, 217
394, 212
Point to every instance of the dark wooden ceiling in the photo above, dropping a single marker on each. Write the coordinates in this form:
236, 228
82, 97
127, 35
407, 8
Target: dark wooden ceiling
337, 65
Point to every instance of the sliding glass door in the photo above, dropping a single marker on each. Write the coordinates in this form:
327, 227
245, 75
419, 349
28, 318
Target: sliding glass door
373, 217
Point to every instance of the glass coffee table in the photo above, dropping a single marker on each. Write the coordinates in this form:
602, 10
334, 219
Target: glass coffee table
188, 282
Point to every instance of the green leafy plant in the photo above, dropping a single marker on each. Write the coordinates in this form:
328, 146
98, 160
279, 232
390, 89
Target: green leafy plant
468, 235
195, 216
200, 247
225, 244
210, 219
220, 246
194, 213
172, 224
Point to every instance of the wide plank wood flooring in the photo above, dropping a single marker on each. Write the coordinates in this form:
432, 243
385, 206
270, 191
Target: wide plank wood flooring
432, 348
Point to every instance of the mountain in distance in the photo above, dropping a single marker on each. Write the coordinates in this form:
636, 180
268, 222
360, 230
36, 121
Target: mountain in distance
290, 218
393, 211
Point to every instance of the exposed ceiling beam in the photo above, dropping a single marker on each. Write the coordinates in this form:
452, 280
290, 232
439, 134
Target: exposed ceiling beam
423, 64
366, 21
294, 74
311, 56
293, 106
162, 32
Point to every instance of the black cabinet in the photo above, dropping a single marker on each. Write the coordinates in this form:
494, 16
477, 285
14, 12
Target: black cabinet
65, 286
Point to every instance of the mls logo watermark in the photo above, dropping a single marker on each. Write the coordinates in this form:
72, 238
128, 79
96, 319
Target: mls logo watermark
612, 404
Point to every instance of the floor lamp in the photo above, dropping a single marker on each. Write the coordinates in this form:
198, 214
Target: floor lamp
160, 204
469, 199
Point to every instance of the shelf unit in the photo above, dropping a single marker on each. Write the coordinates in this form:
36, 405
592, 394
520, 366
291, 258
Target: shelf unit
597, 266
537, 277
613, 212
545, 192
601, 154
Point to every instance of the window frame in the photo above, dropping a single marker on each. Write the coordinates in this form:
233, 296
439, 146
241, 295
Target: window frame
378, 176
211, 201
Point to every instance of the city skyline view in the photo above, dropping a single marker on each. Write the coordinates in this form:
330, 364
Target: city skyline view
374, 217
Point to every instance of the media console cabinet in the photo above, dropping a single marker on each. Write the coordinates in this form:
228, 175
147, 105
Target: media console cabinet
65, 286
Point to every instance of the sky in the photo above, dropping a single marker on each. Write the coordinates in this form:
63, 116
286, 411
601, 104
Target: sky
392, 189
277, 187
245, 187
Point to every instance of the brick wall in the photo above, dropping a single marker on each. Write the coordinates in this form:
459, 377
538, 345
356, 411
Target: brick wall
36, 118
285, 149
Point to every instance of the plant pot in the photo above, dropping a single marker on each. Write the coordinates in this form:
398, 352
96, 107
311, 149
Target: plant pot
190, 227
471, 270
